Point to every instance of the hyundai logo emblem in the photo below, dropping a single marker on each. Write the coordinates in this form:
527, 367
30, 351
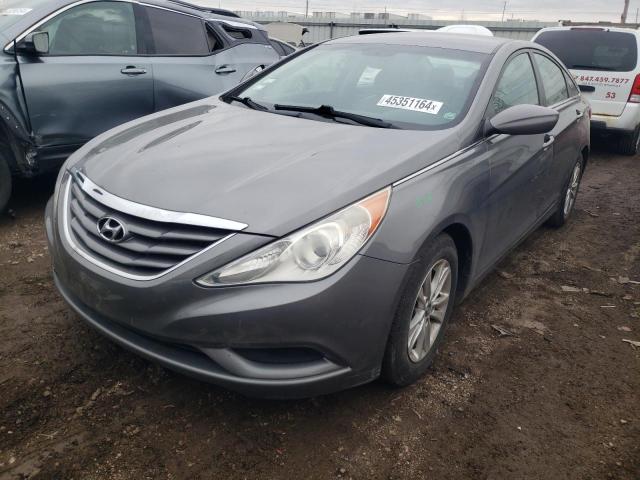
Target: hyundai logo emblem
111, 229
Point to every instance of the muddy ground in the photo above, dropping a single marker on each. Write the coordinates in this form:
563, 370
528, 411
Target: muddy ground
558, 399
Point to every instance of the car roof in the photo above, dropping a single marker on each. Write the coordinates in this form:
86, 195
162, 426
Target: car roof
596, 28
456, 41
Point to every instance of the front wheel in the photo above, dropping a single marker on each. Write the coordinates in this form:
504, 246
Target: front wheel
5, 182
423, 313
568, 198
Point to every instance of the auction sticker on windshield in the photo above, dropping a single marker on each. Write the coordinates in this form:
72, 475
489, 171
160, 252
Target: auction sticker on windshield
421, 105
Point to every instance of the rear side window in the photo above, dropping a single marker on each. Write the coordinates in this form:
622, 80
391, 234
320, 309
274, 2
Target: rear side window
555, 87
276, 46
593, 49
517, 85
98, 28
288, 49
571, 86
176, 34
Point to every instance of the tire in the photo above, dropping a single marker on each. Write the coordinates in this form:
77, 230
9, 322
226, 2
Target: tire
403, 363
629, 144
568, 196
5, 182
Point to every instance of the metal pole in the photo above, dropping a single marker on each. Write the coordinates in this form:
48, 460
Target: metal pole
306, 12
623, 17
504, 7
637, 14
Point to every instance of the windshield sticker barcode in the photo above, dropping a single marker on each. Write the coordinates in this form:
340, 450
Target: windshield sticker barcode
421, 105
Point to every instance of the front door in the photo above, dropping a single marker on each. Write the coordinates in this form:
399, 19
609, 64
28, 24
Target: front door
92, 79
516, 162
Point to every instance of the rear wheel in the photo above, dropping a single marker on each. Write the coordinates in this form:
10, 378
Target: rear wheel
629, 144
423, 313
5, 182
569, 195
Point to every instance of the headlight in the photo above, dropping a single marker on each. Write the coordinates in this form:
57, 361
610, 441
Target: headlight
312, 253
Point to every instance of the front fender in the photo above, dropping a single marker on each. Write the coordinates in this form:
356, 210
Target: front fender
453, 192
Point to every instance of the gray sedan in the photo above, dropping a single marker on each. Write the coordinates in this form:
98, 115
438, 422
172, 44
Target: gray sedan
312, 229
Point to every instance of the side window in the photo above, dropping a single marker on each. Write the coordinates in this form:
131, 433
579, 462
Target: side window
176, 34
286, 48
571, 85
213, 39
98, 28
276, 46
517, 85
555, 87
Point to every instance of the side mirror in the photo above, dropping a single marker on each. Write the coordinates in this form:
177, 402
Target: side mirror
523, 120
36, 43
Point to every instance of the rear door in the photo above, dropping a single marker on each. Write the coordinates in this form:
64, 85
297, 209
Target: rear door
92, 79
600, 58
565, 136
193, 58
183, 56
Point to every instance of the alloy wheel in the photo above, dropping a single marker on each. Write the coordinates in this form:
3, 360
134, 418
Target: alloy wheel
429, 310
572, 189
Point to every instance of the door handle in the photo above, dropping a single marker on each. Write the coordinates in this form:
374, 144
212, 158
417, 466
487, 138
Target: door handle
225, 70
131, 70
548, 141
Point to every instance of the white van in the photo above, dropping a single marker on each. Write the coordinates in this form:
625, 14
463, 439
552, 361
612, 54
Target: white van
604, 62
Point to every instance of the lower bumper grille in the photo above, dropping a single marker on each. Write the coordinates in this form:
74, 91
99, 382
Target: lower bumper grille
145, 247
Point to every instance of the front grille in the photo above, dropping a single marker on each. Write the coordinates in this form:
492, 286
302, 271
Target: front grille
150, 247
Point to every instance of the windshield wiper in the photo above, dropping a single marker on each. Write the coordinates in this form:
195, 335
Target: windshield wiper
247, 102
330, 112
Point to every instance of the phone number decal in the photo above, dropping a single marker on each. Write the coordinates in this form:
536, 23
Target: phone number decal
421, 105
598, 80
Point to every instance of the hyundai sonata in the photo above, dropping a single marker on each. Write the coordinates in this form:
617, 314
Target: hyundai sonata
312, 229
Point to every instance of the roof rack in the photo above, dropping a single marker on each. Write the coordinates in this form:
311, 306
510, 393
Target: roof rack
217, 11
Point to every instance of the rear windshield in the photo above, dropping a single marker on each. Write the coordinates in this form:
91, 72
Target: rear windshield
410, 86
592, 49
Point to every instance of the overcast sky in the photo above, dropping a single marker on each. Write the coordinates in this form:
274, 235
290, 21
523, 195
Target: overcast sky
547, 10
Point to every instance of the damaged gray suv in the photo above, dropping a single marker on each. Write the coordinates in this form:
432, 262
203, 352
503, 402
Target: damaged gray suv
72, 69
312, 229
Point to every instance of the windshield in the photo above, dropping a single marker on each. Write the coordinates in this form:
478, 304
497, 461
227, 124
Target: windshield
11, 11
407, 86
592, 49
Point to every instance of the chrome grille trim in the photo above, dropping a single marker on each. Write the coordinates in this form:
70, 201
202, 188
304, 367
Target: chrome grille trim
152, 213
69, 237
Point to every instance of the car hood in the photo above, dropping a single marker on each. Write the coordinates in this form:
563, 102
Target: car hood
272, 172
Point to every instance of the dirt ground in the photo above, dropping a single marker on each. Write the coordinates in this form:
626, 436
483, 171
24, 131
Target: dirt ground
557, 399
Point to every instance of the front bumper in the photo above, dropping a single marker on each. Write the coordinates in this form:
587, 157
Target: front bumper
625, 123
340, 323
